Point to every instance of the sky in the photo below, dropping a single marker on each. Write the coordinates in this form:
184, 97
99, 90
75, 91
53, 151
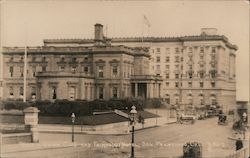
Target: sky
31, 21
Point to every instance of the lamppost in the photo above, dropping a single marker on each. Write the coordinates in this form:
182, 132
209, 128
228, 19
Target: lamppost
132, 118
73, 121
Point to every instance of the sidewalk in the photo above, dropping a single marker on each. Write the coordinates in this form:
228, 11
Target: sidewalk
24, 147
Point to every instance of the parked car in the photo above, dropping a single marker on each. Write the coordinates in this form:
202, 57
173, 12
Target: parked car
222, 119
188, 118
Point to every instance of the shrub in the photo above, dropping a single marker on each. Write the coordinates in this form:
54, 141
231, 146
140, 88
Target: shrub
80, 107
18, 105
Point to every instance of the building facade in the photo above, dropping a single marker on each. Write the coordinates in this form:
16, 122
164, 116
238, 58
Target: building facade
100, 71
196, 70
184, 71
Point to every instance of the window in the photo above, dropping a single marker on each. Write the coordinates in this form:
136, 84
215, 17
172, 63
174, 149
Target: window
54, 93
189, 84
167, 76
44, 59
73, 59
177, 59
213, 84
100, 71
213, 50
202, 101
177, 50
33, 91
72, 93
21, 59
33, 71
43, 68
158, 49
190, 75
115, 71
176, 101
11, 71
73, 68
167, 67
158, 67
176, 76
21, 71
176, 84
167, 59
167, 100
86, 69
213, 101
62, 59
177, 67
201, 74
201, 49
158, 59
86, 58
167, 84
190, 67
62, 68
115, 92
201, 84
11, 58
213, 74
190, 101
11, 91
167, 50
101, 92
21, 91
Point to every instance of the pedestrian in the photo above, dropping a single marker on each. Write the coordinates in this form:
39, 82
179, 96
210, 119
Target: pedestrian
238, 144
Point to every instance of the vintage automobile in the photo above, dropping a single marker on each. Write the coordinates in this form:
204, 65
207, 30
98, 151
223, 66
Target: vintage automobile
222, 119
188, 118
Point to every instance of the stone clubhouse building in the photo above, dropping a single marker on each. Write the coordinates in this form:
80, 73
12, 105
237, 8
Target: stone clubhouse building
184, 71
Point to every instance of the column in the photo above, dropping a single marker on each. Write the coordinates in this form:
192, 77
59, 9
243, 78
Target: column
148, 90
153, 90
159, 90
136, 89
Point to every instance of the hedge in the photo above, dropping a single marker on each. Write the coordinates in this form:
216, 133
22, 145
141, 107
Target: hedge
82, 107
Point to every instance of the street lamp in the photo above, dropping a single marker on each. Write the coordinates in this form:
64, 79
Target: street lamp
73, 121
132, 118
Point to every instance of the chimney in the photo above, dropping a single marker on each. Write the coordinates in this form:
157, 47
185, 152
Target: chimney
99, 33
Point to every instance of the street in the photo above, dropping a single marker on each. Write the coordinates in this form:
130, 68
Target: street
164, 141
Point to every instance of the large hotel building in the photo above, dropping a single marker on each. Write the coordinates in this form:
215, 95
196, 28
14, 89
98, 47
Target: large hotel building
184, 71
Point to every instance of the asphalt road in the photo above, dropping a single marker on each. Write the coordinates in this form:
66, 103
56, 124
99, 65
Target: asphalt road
165, 141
